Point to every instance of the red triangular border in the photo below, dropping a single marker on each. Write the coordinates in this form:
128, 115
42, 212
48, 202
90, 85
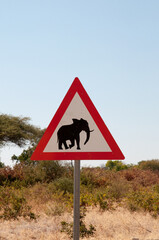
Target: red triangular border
40, 155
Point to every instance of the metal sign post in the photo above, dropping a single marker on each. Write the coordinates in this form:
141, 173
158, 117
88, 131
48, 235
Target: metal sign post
76, 224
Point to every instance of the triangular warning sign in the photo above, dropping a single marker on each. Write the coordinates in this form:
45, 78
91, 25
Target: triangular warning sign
77, 132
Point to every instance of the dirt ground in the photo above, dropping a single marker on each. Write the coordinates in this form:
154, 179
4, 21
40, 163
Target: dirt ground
116, 225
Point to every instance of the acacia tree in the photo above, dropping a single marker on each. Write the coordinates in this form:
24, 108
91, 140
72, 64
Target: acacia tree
17, 130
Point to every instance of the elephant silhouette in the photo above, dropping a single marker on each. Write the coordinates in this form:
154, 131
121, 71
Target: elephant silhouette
72, 132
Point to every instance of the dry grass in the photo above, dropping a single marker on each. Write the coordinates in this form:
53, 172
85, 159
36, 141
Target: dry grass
123, 225
115, 225
44, 228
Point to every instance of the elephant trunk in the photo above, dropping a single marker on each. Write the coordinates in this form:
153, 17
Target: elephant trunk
88, 136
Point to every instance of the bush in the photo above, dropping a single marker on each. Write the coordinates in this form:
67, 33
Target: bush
38, 171
13, 205
86, 178
105, 203
1, 165
51, 170
96, 177
144, 199
118, 189
116, 165
9, 175
138, 177
152, 165
30, 174
24, 157
43, 171
64, 184
87, 199
84, 231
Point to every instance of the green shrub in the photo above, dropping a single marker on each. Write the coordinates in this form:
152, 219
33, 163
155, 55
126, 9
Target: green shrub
13, 205
144, 199
84, 231
51, 170
104, 202
24, 157
98, 198
67, 228
156, 188
64, 184
30, 174
116, 165
152, 165
87, 199
2, 165
86, 178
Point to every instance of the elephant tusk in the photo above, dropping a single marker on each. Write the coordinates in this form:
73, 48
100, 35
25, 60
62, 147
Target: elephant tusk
91, 130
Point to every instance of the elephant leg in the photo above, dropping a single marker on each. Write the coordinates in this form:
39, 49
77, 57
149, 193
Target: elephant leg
60, 144
65, 144
78, 142
72, 142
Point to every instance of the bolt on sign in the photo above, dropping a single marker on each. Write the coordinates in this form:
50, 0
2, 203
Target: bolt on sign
77, 131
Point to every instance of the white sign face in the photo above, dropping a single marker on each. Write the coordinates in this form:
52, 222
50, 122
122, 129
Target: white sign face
77, 131
77, 110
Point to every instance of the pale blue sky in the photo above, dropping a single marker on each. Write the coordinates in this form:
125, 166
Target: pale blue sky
112, 46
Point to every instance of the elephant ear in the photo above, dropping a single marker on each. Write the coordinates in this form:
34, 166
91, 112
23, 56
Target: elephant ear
75, 120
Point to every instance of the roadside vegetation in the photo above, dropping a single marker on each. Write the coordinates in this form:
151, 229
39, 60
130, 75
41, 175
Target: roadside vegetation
33, 187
